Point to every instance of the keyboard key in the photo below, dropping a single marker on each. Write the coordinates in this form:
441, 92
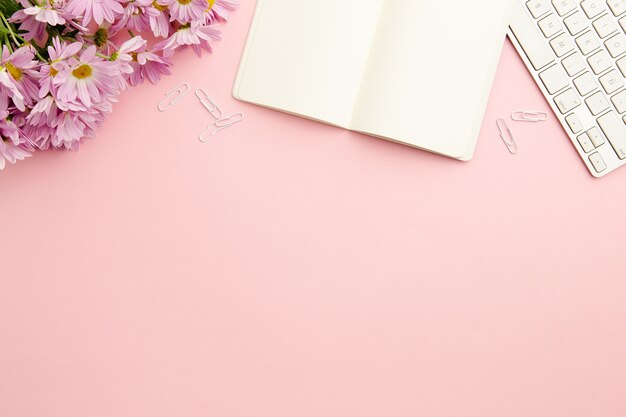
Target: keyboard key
597, 103
567, 101
563, 7
574, 123
593, 8
578, 51
618, 7
612, 81
576, 23
615, 131
585, 143
619, 101
621, 64
532, 42
598, 163
595, 136
550, 25
574, 64
600, 62
616, 45
562, 45
585, 84
554, 78
587, 42
538, 7
605, 25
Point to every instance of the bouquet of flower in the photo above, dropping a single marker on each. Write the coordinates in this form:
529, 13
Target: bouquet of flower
64, 62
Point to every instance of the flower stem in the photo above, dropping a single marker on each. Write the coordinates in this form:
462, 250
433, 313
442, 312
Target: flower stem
17, 39
7, 43
10, 29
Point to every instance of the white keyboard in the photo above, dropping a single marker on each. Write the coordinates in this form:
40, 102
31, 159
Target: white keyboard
576, 51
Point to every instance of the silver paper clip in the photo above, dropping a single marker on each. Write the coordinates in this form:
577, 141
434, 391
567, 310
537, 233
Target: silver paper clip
507, 136
173, 97
209, 104
529, 116
219, 125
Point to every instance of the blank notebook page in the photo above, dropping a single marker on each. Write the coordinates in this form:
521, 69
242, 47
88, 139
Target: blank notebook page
430, 72
308, 59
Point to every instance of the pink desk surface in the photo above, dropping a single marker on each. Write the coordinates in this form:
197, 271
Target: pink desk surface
291, 269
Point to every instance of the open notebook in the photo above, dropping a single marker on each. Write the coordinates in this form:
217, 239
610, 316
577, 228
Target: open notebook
416, 72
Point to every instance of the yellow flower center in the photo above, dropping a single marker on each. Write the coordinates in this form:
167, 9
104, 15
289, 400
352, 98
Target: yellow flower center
83, 71
211, 3
158, 6
183, 2
15, 72
53, 72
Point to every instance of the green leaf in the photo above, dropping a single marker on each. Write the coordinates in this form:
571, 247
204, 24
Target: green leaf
8, 7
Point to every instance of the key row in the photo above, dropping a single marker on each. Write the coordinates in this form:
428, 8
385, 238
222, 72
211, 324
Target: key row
597, 103
591, 139
588, 43
613, 128
556, 78
592, 8
576, 23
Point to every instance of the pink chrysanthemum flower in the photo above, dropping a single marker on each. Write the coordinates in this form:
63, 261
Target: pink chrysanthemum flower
160, 23
47, 12
71, 128
101, 36
195, 35
88, 80
78, 125
96, 10
219, 10
31, 28
17, 73
21, 65
128, 50
41, 121
8, 89
205, 34
11, 152
48, 126
9, 131
59, 53
14, 144
136, 16
44, 112
33, 19
185, 11
148, 65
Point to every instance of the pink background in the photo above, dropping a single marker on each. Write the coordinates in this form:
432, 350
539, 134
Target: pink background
291, 269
